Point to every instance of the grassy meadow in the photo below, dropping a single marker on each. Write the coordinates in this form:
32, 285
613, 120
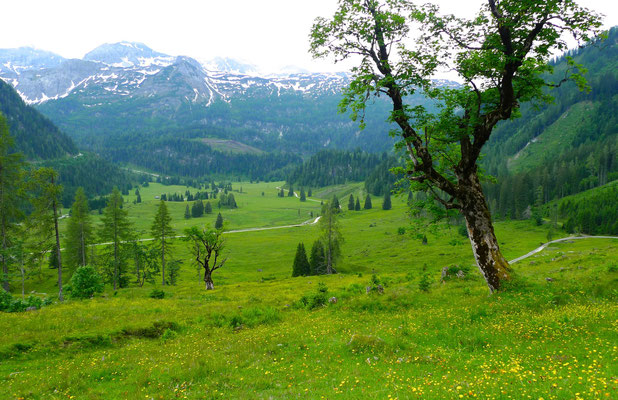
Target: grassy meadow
264, 335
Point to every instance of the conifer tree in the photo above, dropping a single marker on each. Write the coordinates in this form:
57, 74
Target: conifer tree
301, 264
11, 196
330, 236
281, 193
139, 197
116, 229
317, 260
187, 212
357, 206
219, 222
44, 218
367, 205
303, 196
351, 203
386, 203
335, 204
291, 192
208, 208
162, 232
309, 194
79, 231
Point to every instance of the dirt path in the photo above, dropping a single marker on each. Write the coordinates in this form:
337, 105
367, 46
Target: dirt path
542, 247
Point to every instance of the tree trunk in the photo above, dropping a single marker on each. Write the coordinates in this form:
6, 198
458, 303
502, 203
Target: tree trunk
210, 285
490, 261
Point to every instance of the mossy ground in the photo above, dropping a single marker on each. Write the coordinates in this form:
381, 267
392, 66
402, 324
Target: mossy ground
252, 337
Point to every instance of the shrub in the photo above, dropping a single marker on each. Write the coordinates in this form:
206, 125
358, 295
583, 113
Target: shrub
157, 294
10, 304
424, 283
85, 283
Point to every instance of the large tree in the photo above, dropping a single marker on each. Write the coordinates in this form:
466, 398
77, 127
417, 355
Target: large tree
501, 56
79, 231
11, 196
116, 230
162, 231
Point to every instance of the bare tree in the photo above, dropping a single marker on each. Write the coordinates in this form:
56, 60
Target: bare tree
207, 247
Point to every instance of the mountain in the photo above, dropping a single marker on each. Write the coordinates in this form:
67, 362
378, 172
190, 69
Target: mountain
562, 148
128, 54
128, 88
35, 135
14, 61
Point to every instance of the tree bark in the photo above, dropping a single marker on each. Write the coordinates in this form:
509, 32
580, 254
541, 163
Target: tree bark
490, 261
210, 285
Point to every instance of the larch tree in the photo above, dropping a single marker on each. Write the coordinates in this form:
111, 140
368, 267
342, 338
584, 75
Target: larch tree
79, 231
116, 229
162, 231
11, 196
502, 57
44, 218
207, 247
330, 236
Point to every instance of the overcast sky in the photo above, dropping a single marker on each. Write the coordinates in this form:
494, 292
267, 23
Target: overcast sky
269, 33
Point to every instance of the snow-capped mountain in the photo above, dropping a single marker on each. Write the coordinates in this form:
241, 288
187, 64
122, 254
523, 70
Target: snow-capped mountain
128, 87
133, 69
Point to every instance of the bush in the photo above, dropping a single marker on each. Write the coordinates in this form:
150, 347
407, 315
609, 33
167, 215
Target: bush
157, 294
10, 304
424, 283
85, 283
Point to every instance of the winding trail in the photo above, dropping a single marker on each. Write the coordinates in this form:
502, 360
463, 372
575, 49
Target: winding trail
543, 246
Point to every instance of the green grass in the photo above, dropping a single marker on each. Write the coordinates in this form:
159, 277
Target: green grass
252, 338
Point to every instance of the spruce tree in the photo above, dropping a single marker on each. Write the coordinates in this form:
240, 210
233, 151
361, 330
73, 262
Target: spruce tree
11, 196
208, 208
317, 260
386, 203
116, 229
79, 231
162, 232
357, 206
309, 194
301, 264
219, 222
351, 203
291, 192
187, 212
367, 205
303, 197
335, 204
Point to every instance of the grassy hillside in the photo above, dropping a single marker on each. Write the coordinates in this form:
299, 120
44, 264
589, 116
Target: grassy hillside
252, 337
554, 139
